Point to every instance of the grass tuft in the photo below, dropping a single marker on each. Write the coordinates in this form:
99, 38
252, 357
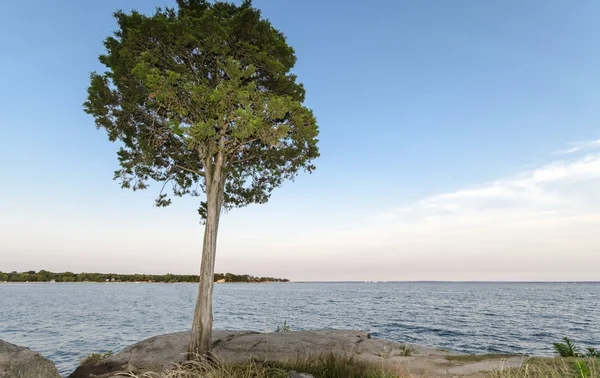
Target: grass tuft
552, 368
478, 357
324, 366
96, 358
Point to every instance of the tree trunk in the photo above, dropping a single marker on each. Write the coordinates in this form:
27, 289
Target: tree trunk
201, 341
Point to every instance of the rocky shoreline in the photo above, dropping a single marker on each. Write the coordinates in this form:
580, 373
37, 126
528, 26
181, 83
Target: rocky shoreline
159, 353
21, 362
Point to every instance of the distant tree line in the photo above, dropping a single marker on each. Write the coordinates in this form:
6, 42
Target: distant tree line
45, 276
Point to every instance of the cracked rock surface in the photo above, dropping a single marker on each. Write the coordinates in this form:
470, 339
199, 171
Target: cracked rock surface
160, 352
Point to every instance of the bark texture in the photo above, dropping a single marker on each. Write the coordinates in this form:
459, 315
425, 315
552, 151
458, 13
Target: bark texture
201, 340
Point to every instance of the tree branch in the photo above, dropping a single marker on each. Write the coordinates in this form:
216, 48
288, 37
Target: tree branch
190, 170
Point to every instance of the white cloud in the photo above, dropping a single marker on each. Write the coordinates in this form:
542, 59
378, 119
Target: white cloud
546, 218
580, 146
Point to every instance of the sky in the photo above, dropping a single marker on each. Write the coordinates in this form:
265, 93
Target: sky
459, 141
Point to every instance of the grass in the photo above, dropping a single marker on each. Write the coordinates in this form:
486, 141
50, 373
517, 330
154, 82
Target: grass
477, 357
95, 358
325, 366
553, 368
402, 350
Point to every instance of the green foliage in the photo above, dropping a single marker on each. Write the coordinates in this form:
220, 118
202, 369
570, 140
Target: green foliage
96, 358
284, 328
202, 96
582, 369
566, 349
560, 367
592, 352
569, 349
45, 276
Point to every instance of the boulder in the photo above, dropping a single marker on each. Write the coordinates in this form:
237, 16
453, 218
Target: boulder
155, 354
161, 352
20, 362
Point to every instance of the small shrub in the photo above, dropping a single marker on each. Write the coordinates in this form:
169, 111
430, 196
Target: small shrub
406, 351
569, 349
592, 353
284, 328
96, 358
566, 349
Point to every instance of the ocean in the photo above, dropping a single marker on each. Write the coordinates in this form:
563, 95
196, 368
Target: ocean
66, 322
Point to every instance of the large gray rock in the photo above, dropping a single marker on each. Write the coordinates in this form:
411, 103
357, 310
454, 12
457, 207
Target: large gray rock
160, 352
237, 347
20, 362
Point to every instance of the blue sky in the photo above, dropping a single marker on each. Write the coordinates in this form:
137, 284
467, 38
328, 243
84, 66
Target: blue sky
421, 105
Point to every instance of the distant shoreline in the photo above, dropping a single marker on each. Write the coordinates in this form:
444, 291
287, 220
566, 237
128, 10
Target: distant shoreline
134, 282
85, 277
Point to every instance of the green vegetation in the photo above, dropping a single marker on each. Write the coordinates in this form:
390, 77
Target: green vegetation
283, 328
552, 368
406, 351
569, 349
203, 101
96, 358
328, 366
45, 276
402, 350
572, 363
333, 366
478, 357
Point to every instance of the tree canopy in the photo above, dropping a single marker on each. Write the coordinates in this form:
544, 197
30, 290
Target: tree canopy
204, 84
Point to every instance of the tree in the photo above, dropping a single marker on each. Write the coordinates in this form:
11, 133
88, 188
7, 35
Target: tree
202, 100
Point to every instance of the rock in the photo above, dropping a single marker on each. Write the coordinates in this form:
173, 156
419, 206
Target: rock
160, 352
154, 354
237, 347
20, 362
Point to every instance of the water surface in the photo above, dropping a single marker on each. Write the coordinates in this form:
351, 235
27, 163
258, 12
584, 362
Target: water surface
66, 322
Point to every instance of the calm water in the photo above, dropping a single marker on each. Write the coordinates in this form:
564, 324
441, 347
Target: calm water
66, 322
